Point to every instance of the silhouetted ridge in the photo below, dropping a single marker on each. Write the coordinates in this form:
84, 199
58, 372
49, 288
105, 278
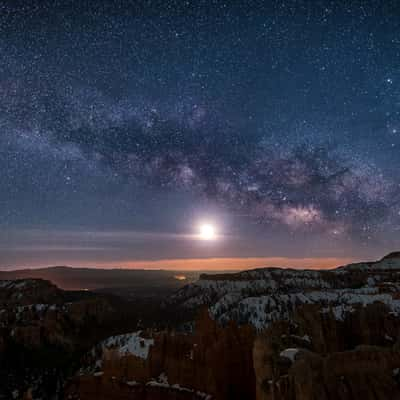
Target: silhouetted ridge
394, 254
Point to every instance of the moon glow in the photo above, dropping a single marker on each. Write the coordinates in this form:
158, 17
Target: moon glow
207, 232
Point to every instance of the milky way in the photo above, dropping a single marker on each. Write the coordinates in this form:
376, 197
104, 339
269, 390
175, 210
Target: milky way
279, 122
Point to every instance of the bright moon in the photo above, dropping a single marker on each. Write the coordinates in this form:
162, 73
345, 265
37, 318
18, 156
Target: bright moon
207, 232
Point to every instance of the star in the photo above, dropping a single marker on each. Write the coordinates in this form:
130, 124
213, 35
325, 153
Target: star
284, 128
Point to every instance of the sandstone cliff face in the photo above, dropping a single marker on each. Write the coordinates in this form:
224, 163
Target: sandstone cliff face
214, 362
323, 358
263, 296
313, 327
315, 356
41, 330
358, 374
28, 291
59, 324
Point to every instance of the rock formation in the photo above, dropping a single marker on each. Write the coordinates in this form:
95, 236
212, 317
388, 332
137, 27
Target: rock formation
214, 362
42, 329
264, 334
343, 360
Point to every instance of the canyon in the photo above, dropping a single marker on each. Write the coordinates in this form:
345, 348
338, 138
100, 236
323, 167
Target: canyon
265, 334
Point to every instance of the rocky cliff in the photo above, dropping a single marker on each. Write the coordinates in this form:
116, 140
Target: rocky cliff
42, 332
262, 296
212, 363
321, 334
265, 334
317, 356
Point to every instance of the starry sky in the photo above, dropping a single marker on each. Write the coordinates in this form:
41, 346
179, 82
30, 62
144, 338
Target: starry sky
125, 125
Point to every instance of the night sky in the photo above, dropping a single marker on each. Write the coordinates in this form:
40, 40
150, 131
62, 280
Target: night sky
123, 126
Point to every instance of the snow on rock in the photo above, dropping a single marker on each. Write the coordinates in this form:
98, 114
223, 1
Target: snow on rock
228, 289
262, 310
20, 284
15, 284
130, 343
306, 338
40, 309
290, 354
265, 295
162, 382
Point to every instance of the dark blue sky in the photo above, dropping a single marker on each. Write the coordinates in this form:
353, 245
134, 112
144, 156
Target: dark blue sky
124, 125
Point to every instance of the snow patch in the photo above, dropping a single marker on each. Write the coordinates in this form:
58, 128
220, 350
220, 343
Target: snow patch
131, 343
289, 353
